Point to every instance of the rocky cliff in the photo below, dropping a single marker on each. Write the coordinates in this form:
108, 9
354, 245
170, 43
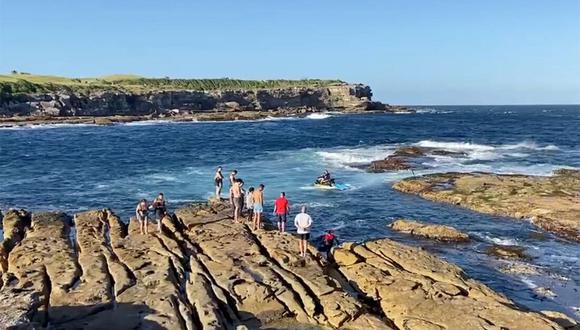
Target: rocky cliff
203, 271
67, 103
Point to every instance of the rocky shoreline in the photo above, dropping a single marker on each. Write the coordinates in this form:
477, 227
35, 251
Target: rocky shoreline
204, 271
179, 117
551, 203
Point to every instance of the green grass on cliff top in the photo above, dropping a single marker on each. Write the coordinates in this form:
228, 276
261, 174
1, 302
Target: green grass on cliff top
28, 83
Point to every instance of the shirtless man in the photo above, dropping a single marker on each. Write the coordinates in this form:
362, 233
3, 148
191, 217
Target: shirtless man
237, 198
258, 206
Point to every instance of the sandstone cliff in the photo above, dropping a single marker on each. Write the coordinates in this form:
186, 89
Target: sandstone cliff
206, 272
68, 102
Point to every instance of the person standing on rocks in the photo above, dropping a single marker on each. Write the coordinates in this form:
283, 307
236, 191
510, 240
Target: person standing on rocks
250, 203
160, 207
142, 215
258, 206
303, 222
281, 210
238, 200
232, 178
218, 180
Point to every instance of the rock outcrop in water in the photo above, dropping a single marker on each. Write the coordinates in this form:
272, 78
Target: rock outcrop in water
206, 272
432, 231
552, 203
408, 158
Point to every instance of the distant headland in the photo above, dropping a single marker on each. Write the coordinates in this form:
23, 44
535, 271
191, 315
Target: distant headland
36, 99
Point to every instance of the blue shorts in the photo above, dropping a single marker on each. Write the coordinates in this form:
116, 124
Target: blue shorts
258, 208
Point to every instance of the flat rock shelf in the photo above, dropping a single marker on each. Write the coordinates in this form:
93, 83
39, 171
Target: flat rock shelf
203, 271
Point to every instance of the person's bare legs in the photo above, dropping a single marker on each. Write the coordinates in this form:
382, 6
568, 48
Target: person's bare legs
146, 226
236, 213
159, 225
302, 247
283, 227
142, 226
254, 220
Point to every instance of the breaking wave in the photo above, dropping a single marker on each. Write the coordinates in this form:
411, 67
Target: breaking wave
318, 116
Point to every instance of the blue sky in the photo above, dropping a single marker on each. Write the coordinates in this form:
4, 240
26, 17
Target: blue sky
410, 52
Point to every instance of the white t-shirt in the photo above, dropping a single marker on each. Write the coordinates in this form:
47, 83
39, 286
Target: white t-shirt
303, 222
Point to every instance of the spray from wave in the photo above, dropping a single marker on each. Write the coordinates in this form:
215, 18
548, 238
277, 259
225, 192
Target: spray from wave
318, 116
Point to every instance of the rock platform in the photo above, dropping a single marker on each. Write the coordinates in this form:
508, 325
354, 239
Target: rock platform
203, 271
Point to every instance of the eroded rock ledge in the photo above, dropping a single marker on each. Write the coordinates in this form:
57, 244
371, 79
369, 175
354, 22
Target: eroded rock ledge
206, 272
431, 231
552, 203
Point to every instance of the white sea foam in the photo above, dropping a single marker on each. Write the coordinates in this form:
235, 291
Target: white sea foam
162, 177
45, 126
433, 111
353, 156
318, 116
318, 204
496, 240
529, 283
528, 145
454, 146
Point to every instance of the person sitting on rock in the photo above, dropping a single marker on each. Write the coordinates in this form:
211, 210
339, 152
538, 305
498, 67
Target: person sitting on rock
160, 207
142, 215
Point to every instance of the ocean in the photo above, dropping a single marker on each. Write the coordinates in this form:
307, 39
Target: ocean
80, 167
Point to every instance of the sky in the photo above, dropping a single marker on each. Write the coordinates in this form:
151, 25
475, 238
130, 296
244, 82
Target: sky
409, 52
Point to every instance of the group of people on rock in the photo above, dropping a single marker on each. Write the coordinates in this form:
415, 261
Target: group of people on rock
252, 202
159, 208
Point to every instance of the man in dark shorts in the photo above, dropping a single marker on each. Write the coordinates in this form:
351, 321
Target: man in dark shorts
303, 222
281, 210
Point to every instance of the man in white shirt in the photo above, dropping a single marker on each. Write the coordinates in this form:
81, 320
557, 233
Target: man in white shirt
303, 222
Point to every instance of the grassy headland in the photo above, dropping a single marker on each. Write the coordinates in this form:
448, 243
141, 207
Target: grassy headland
24, 83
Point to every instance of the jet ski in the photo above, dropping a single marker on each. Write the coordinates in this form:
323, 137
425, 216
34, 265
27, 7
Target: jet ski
329, 184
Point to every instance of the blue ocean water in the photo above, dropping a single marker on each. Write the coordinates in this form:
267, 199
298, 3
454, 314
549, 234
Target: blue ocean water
76, 168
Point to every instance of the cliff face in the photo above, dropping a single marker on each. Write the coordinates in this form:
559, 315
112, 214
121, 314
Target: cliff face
111, 103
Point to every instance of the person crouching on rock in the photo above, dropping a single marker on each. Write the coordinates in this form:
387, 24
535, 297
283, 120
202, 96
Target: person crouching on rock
329, 240
303, 222
160, 207
142, 214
